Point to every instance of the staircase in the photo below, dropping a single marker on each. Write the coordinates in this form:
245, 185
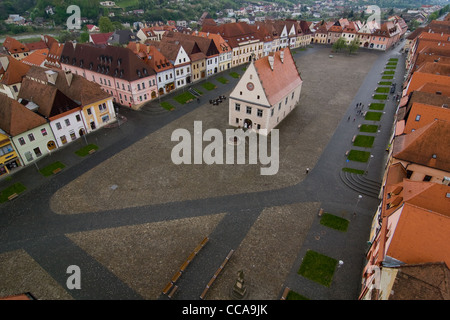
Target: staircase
360, 183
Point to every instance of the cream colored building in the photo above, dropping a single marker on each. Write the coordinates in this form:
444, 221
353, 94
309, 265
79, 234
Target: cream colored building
267, 92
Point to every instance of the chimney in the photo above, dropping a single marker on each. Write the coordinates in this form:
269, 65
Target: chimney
271, 62
69, 77
51, 76
282, 56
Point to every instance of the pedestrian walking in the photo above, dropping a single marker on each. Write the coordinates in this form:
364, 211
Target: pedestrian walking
341, 263
307, 170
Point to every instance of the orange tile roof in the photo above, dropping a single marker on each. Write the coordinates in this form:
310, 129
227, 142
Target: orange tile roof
420, 236
36, 58
16, 118
424, 146
418, 79
15, 70
284, 77
425, 114
14, 46
438, 68
440, 89
220, 43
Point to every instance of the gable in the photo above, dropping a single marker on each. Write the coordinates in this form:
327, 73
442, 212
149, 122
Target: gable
251, 96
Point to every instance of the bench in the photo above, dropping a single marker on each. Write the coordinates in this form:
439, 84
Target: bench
353, 139
56, 170
285, 293
167, 287
216, 274
13, 196
320, 212
91, 151
347, 152
173, 291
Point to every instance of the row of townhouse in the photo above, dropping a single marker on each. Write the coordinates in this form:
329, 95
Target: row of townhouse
53, 108
409, 253
367, 35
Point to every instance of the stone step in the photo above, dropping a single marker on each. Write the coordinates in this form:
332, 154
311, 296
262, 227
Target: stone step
351, 181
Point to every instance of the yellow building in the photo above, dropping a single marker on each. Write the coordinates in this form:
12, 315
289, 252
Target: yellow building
8, 156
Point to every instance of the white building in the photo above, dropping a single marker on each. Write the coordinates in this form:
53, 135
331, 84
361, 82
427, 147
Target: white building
267, 92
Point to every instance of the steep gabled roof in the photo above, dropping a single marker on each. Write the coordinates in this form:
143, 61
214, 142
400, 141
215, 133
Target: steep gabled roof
284, 77
112, 61
16, 118
11, 70
424, 114
14, 46
424, 146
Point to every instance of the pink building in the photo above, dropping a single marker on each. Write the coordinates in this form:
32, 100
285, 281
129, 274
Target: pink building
118, 70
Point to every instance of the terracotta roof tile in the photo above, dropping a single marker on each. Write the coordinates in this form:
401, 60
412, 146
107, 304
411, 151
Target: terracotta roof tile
15, 70
284, 77
14, 46
36, 58
424, 114
16, 118
423, 147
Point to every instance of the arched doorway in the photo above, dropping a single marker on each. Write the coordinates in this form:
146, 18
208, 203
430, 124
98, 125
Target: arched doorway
82, 132
248, 124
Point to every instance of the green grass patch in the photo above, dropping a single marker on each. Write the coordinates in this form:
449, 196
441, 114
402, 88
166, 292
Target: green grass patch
382, 89
234, 75
351, 170
184, 97
292, 295
359, 156
84, 151
364, 141
370, 128
387, 77
166, 105
391, 67
376, 106
126, 3
393, 59
389, 72
385, 83
318, 267
209, 86
334, 222
373, 116
15, 188
48, 170
380, 96
391, 63
222, 80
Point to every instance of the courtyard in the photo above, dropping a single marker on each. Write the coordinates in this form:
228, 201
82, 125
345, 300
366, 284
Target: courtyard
136, 217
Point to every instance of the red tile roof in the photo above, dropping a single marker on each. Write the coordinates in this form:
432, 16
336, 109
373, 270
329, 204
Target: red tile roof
36, 58
425, 114
14, 46
16, 118
424, 147
284, 77
15, 70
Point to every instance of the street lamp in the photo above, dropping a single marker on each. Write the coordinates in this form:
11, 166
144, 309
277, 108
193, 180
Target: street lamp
354, 211
367, 169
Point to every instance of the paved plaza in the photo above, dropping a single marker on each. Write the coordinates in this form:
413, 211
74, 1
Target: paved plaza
129, 217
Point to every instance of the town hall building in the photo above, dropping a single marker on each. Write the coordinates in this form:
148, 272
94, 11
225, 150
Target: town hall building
267, 92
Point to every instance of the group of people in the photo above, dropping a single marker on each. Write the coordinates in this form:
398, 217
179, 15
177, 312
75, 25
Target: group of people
215, 102
359, 111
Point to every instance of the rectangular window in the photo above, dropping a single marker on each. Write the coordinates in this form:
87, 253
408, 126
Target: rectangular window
143, 85
67, 121
279, 106
237, 120
44, 132
31, 137
88, 112
139, 86
22, 141
249, 110
63, 139
271, 112
72, 135
427, 178
418, 117
105, 118
78, 118
37, 152
237, 107
259, 113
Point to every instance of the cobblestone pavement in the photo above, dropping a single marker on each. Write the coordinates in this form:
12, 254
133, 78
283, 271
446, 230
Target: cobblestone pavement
129, 218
